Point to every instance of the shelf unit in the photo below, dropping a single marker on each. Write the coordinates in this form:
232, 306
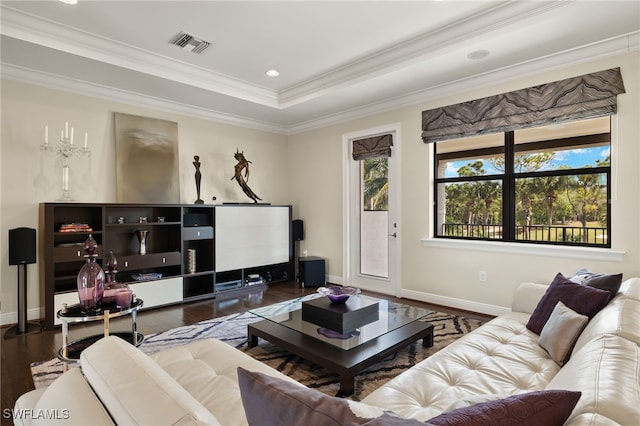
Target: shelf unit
173, 230
61, 253
163, 225
198, 235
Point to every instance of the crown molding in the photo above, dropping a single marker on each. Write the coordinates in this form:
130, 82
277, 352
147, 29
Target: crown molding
66, 84
592, 52
410, 51
41, 31
44, 32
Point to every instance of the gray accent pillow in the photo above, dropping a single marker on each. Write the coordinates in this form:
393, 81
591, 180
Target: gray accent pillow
559, 334
607, 282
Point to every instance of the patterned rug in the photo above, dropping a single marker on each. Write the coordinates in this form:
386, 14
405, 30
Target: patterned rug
232, 329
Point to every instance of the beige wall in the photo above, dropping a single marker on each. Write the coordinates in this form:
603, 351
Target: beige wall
306, 170
447, 275
29, 177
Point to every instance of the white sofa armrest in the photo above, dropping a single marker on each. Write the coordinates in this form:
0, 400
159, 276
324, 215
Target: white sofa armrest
69, 400
527, 296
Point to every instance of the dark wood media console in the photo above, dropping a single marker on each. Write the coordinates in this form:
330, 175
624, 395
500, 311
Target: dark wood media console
173, 230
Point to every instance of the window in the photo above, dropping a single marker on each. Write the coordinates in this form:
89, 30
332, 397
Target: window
548, 185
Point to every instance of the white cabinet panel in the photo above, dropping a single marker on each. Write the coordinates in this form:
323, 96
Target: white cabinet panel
159, 292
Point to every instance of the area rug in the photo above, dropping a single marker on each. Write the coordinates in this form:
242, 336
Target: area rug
232, 329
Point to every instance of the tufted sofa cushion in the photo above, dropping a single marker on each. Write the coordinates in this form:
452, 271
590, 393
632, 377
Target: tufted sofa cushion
501, 357
207, 370
135, 390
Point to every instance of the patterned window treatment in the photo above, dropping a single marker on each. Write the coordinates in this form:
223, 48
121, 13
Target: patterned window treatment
585, 96
377, 146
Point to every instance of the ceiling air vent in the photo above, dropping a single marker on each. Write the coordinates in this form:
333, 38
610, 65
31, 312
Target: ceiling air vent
189, 42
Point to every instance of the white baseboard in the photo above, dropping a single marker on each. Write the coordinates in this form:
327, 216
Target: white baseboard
333, 279
466, 305
33, 314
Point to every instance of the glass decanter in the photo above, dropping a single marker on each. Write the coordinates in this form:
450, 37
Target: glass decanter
115, 293
90, 279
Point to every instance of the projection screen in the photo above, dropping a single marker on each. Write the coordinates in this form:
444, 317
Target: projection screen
249, 236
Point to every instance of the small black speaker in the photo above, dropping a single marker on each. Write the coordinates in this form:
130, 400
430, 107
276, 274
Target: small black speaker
22, 246
298, 230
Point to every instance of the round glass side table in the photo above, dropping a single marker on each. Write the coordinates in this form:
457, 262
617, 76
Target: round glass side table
73, 314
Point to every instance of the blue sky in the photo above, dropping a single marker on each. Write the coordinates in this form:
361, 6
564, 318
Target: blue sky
575, 158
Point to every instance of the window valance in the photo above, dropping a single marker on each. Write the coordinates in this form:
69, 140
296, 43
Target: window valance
586, 96
377, 146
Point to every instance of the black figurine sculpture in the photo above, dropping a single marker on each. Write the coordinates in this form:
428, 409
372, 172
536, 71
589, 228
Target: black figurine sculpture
243, 163
198, 176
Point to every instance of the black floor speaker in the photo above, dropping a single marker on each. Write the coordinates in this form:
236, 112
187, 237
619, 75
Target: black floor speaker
22, 246
22, 251
311, 271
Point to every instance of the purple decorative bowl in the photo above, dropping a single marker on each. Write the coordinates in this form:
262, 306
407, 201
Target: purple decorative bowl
338, 294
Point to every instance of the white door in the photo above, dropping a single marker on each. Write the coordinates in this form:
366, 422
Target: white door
371, 216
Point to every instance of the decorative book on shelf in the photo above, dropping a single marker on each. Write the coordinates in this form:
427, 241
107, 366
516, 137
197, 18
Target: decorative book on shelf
75, 227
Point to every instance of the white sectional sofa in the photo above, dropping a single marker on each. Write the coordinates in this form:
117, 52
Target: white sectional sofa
198, 383
503, 358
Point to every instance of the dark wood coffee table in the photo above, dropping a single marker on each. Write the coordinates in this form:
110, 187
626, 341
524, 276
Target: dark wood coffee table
399, 325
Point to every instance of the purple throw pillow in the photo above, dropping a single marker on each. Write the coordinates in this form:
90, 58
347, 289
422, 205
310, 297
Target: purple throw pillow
582, 299
548, 408
271, 401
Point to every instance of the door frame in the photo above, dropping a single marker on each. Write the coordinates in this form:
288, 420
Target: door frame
380, 285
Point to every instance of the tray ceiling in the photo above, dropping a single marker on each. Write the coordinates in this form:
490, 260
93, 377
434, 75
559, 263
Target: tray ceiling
337, 60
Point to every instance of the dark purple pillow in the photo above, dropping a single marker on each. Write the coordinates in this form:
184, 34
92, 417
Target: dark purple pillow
582, 299
271, 401
548, 408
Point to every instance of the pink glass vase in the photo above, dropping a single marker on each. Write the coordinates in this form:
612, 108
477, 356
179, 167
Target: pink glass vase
90, 280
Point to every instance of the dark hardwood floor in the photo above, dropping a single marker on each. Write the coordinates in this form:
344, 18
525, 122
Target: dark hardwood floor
18, 353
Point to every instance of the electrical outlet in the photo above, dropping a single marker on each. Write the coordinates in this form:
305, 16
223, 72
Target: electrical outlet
304, 253
482, 276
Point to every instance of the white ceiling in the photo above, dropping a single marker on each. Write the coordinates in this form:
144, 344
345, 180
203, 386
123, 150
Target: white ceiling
338, 60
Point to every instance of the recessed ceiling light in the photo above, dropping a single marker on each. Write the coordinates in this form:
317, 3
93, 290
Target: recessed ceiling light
69, 1
478, 54
273, 73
